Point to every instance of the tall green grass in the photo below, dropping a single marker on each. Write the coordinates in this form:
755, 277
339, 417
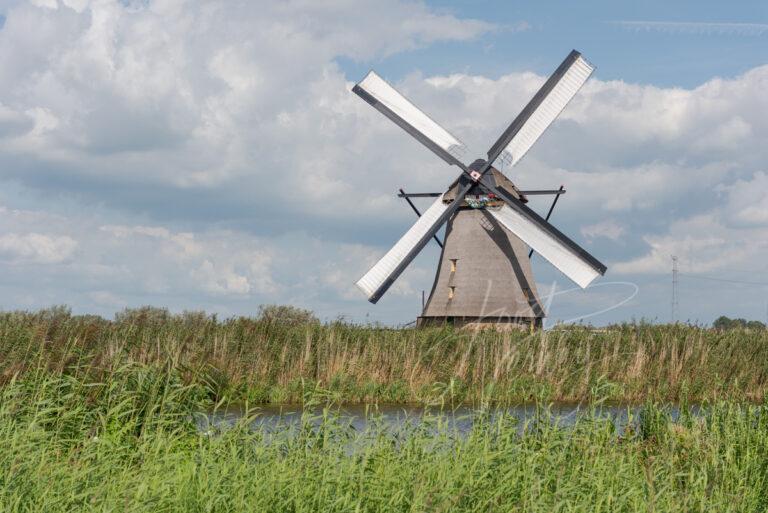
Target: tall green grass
102, 416
270, 361
127, 441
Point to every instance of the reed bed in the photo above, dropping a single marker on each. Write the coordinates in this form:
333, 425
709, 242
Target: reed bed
267, 361
128, 442
100, 415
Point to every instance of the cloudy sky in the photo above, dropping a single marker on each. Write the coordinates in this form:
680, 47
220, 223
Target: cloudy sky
209, 154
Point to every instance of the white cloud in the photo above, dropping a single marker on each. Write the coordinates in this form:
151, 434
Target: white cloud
220, 263
48, 4
221, 281
609, 229
747, 202
706, 243
36, 248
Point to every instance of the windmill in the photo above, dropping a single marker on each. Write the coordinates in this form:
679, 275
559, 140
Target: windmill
484, 275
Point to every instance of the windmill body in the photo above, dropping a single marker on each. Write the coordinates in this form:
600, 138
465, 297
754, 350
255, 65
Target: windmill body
484, 275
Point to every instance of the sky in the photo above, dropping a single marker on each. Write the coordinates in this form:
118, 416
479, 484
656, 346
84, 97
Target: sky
209, 155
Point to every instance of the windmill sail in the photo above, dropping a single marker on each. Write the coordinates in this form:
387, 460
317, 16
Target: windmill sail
379, 278
546, 240
541, 111
387, 100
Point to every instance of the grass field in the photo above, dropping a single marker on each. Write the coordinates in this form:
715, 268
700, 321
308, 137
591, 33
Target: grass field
100, 416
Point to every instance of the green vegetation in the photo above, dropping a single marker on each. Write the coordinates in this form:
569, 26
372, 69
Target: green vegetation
127, 442
283, 358
101, 416
286, 314
726, 323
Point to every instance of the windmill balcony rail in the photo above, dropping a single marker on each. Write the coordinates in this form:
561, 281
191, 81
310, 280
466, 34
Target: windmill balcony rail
535, 192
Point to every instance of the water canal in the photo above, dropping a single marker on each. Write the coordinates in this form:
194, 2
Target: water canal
359, 417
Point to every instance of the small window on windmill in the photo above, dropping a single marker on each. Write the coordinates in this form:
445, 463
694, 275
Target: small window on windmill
453, 264
451, 292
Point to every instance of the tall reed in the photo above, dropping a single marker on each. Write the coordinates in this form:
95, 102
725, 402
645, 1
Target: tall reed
127, 442
268, 361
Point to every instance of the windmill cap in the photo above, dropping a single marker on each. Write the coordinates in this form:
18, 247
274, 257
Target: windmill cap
497, 177
477, 165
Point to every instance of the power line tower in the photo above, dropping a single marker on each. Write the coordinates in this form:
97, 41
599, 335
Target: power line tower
674, 288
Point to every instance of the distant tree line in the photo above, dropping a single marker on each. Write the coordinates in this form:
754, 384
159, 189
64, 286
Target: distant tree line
726, 323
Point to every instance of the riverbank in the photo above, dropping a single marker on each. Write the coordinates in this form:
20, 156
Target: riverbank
263, 362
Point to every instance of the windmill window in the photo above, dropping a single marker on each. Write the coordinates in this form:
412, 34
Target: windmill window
451, 292
485, 223
453, 264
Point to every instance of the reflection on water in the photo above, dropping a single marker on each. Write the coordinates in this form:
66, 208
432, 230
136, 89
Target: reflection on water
273, 418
